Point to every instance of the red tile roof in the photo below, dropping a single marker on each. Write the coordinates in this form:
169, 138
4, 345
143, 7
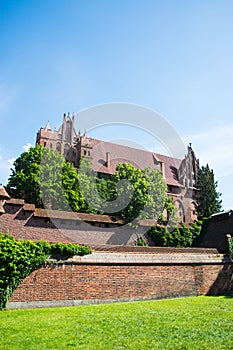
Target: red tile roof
16, 201
69, 215
137, 157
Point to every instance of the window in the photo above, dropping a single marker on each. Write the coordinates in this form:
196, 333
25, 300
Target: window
66, 150
58, 147
68, 132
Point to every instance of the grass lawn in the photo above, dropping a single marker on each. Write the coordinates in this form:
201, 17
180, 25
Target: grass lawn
186, 323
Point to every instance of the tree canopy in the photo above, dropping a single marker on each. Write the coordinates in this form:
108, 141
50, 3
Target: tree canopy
146, 189
43, 177
206, 198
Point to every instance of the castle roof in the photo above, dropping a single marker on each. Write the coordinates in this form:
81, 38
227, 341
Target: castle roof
106, 156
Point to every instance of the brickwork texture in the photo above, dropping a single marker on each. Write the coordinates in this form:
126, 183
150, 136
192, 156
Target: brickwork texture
100, 280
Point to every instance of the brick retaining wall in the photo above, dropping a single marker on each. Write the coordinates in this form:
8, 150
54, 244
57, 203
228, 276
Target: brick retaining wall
108, 277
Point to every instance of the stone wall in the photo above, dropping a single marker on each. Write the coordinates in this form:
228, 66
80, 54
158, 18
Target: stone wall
216, 229
109, 276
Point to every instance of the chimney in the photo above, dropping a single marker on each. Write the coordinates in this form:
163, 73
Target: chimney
162, 169
108, 159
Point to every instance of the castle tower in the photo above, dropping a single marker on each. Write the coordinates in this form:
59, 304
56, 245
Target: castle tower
62, 140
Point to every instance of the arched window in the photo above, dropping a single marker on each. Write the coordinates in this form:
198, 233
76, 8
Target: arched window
66, 150
68, 132
58, 147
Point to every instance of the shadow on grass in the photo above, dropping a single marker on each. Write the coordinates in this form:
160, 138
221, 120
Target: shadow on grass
228, 296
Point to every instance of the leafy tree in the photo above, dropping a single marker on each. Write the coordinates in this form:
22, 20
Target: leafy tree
156, 194
131, 184
172, 219
43, 177
24, 181
145, 190
206, 198
129, 193
92, 193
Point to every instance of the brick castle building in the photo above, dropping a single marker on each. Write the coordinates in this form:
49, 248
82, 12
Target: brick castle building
179, 174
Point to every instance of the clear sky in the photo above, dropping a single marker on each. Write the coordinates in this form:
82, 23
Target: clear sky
175, 57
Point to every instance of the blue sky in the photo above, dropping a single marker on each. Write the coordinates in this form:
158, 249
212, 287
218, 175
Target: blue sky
174, 57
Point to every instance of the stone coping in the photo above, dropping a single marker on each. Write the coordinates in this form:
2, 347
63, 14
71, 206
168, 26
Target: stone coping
145, 259
152, 249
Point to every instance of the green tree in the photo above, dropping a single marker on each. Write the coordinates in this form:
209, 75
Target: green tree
24, 182
145, 188
131, 184
206, 197
43, 177
89, 188
156, 194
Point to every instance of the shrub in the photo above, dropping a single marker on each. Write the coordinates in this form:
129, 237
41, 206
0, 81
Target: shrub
67, 250
141, 241
179, 236
18, 258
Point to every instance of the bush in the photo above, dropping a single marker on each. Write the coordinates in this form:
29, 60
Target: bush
179, 236
18, 258
67, 250
141, 242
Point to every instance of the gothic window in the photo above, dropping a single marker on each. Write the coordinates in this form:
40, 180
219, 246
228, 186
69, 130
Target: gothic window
68, 132
66, 150
58, 147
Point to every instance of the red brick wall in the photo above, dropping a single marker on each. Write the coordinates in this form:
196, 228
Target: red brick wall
101, 282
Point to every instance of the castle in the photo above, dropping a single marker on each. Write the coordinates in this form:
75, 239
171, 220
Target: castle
179, 174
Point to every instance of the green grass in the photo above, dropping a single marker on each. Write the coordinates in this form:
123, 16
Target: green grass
186, 323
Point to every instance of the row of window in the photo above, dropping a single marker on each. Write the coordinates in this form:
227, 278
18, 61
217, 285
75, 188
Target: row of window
86, 153
58, 148
66, 149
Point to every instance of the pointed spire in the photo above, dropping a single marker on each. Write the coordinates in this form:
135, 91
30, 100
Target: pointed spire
48, 127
